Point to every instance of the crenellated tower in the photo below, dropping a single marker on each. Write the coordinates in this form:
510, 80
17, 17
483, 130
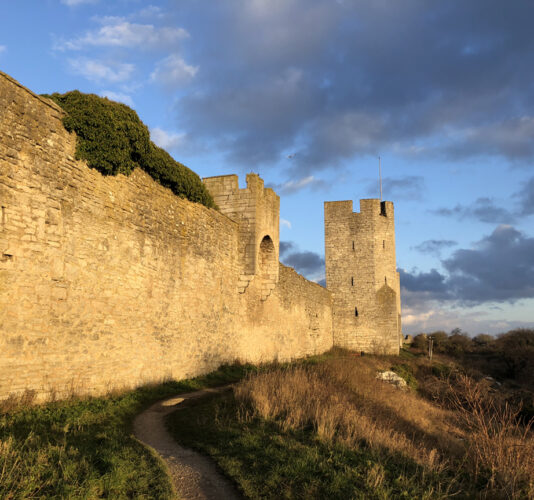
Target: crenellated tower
362, 276
257, 211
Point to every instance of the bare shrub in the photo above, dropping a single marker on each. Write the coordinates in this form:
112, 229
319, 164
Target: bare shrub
500, 447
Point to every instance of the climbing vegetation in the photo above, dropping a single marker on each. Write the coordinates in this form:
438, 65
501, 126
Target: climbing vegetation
113, 140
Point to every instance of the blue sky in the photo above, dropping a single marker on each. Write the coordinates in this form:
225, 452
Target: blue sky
309, 93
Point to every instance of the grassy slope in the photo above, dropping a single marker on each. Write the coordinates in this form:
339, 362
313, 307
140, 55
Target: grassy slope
84, 448
333, 431
349, 438
267, 461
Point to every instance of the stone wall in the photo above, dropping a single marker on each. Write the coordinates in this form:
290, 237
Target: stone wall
361, 274
109, 282
257, 211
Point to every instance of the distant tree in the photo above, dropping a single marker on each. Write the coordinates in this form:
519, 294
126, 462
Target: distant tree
517, 349
458, 342
420, 341
483, 339
440, 339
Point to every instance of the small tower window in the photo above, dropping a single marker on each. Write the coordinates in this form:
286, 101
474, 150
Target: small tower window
356, 311
352, 281
385, 279
353, 245
384, 244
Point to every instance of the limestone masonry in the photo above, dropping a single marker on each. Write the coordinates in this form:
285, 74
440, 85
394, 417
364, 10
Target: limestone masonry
361, 273
110, 282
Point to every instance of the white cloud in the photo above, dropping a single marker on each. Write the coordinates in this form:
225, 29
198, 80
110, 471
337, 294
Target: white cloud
151, 11
286, 223
166, 140
74, 3
293, 186
320, 279
411, 317
3, 48
117, 32
98, 71
173, 71
118, 97
429, 315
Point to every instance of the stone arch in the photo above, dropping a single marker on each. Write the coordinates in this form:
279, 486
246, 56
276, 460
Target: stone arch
267, 266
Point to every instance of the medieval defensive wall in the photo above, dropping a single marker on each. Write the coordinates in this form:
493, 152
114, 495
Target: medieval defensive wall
110, 282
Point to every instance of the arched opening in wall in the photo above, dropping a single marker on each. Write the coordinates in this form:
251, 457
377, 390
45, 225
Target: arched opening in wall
268, 266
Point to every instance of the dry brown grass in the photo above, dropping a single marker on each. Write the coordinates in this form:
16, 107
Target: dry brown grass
9, 464
17, 401
344, 402
500, 446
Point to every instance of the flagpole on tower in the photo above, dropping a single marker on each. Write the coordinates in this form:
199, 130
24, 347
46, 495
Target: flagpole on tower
380, 177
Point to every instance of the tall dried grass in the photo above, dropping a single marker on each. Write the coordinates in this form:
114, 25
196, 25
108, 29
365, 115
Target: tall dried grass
9, 466
500, 446
17, 401
343, 401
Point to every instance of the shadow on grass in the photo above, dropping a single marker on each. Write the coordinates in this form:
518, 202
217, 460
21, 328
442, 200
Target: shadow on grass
84, 447
268, 462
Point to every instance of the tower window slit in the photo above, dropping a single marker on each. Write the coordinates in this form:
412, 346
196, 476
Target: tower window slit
356, 311
352, 281
353, 246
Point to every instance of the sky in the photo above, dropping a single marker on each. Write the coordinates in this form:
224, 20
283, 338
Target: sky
309, 93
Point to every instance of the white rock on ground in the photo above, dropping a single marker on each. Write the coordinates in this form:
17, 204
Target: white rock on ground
392, 378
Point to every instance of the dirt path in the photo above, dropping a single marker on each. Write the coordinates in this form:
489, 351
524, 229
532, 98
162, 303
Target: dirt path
193, 475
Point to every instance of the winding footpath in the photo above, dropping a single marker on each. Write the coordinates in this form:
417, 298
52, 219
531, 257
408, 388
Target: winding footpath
194, 476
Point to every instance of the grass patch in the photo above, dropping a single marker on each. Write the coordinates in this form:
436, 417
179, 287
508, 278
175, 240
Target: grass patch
405, 371
267, 461
330, 429
84, 448
323, 427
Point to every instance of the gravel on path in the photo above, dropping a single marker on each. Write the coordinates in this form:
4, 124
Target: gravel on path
194, 476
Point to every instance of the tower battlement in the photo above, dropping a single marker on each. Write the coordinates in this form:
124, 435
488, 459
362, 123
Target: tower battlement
257, 211
361, 274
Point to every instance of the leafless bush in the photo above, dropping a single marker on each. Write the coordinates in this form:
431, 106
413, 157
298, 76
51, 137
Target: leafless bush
499, 445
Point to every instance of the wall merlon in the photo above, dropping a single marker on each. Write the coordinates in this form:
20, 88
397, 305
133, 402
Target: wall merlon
370, 207
223, 185
336, 209
254, 182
